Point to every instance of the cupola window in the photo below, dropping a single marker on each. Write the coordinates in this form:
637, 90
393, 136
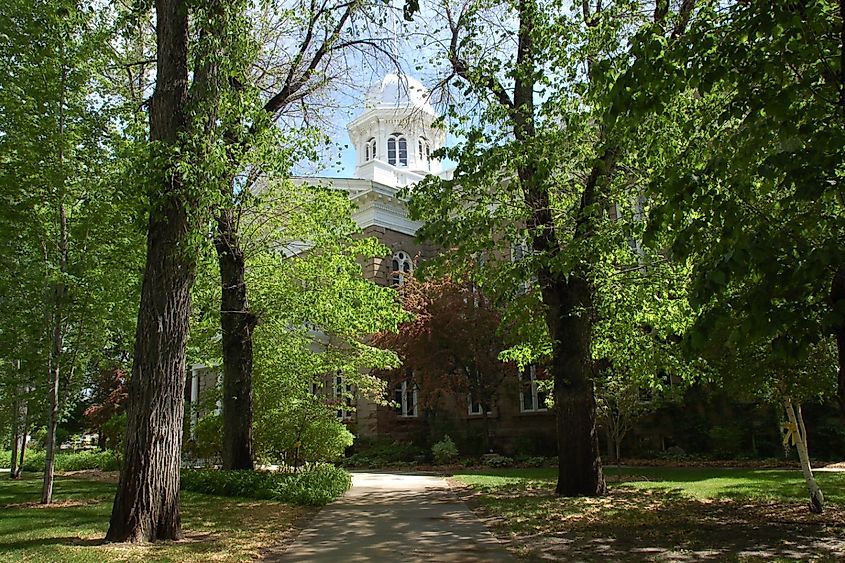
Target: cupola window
397, 146
370, 150
403, 152
424, 152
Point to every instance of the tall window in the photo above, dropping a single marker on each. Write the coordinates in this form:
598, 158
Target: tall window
401, 268
424, 152
342, 392
391, 151
397, 145
370, 150
531, 399
405, 396
403, 152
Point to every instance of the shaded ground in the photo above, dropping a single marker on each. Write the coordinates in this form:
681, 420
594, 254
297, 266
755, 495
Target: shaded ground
72, 528
647, 519
392, 517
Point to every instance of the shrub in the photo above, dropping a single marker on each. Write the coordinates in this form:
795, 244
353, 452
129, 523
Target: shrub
496, 460
315, 487
107, 460
207, 443
535, 461
444, 451
299, 432
381, 453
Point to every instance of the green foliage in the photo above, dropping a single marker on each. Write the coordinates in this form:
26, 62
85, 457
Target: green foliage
444, 451
207, 443
497, 461
69, 206
114, 432
315, 310
107, 460
744, 117
315, 486
382, 453
302, 430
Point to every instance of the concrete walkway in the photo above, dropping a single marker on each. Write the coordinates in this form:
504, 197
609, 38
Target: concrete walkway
396, 517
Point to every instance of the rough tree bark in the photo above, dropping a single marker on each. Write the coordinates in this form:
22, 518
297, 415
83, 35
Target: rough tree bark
13, 466
146, 506
569, 301
24, 433
237, 323
236, 319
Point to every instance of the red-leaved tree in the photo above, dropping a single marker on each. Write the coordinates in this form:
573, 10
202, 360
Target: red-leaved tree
109, 395
452, 345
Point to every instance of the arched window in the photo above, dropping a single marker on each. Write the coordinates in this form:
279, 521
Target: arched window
397, 150
405, 396
424, 152
403, 152
401, 268
370, 150
391, 151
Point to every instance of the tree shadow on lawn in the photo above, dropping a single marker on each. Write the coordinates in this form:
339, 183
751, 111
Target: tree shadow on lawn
79, 518
632, 524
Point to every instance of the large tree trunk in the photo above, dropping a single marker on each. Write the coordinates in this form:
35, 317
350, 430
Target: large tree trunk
19, 427
579, 458
237, 323
146, 506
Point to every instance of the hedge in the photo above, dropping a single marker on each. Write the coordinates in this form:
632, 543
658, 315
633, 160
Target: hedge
315, 487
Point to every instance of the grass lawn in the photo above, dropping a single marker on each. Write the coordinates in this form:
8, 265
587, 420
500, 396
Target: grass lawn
664, 513
72, 529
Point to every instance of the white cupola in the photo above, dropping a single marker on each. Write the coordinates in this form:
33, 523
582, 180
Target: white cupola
395, 136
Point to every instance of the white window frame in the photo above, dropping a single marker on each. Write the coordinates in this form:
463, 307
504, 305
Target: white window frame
370, 149
402, 267
531, 384
402, 149
475, 408
404, 390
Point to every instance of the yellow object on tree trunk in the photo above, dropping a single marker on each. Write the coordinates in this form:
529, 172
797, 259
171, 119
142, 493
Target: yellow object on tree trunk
791, 431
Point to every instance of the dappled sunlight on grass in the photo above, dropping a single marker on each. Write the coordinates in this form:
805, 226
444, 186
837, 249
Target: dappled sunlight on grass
216, 529
711, 514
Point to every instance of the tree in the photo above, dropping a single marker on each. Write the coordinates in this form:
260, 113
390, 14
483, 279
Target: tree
321, 32
108, 400
60, 200
184, 169
749, 189
303, 264
539, 168
452, 344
